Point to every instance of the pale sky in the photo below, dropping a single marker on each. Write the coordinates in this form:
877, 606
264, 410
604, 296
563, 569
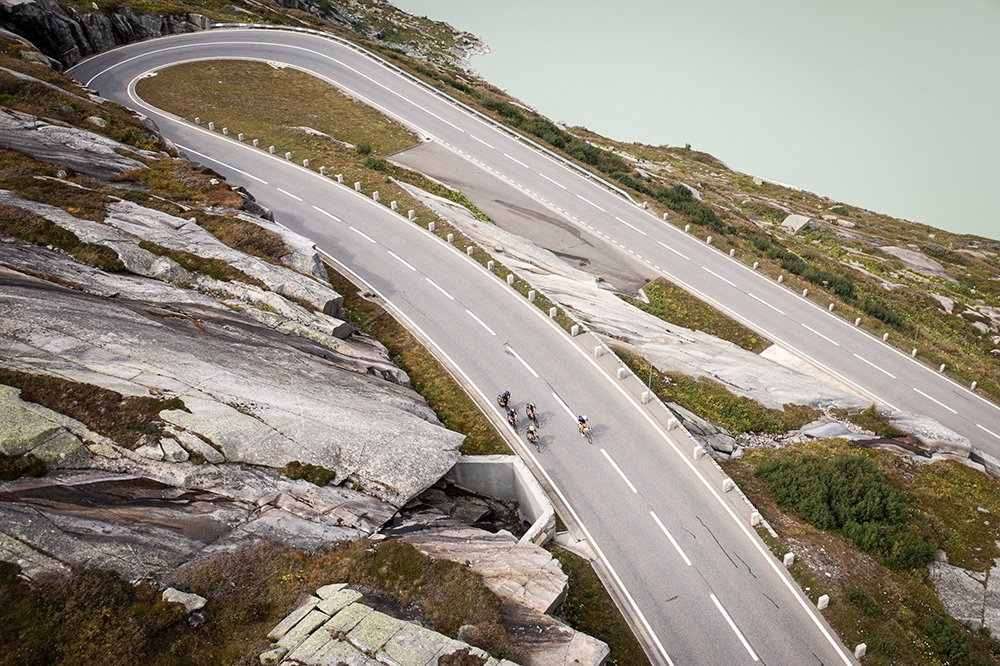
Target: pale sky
893, 106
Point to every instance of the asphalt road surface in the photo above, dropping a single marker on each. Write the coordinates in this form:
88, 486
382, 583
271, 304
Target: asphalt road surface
697, 583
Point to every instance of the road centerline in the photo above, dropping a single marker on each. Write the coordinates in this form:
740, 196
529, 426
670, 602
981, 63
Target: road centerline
619, 470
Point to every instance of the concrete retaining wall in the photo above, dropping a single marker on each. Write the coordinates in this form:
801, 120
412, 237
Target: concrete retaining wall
508, 478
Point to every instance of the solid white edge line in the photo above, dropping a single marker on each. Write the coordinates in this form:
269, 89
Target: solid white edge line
362, 234
935, 400
211, 159
630, 226
810, 328
286, 192
440, 288
862, 358
679, 254
401, 260
669, 536
330, 215
518, 357
483, 324
619, 470
736, 630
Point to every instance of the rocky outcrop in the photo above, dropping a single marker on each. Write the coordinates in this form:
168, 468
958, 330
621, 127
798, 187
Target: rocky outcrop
971, 597
70, 35
334, 627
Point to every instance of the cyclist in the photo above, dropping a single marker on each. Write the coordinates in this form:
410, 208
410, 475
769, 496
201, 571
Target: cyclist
512, 417
582, 423
531, 412
532, 434
503, 399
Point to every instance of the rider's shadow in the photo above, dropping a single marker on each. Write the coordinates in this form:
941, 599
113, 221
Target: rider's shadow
543, 443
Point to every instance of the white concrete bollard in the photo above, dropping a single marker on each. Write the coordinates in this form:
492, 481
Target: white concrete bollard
709, 240
340, 178
430, 225
197, 120
857, 321
322, 171
305, 163
754, 518
699, 452
451, 238
665, 216
727, 485
288, 156
598, 351
830, 307
375, 195
941, 369
732, 252
357, 185
271, 149
622, 373
672, 423
574, 330
861, 650
469, 250
687, 227
789, 559
241, 137
393, 205
256, 143
646, 397
552, 313
410, 214
885, 337
914, 352
781, 278
973, 386
510, 279
756, 264
823, 601
225, 131
805, 292
490, 265
531, 294
211, 125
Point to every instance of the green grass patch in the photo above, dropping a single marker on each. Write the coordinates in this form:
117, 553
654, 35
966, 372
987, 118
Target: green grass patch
453, 406
245, 236
95, 617
314, 474
36, 229
850, 494
213, 268
14, 467
672, 304
590, 609
870, 419
126, 420
713, 402
895, 611
37, 181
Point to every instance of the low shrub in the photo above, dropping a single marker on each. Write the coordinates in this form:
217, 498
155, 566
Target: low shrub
850, 494
314, 474
14, 467
213, 268
33, 228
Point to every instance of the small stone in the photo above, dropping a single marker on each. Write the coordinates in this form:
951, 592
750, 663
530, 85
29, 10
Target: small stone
191, 601
273, 657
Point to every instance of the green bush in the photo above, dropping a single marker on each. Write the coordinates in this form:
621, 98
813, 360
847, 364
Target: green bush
377, 162
364, 148
848, 493
14, 467
315, 474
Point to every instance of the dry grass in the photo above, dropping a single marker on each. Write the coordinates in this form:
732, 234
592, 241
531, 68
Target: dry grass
126, 420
